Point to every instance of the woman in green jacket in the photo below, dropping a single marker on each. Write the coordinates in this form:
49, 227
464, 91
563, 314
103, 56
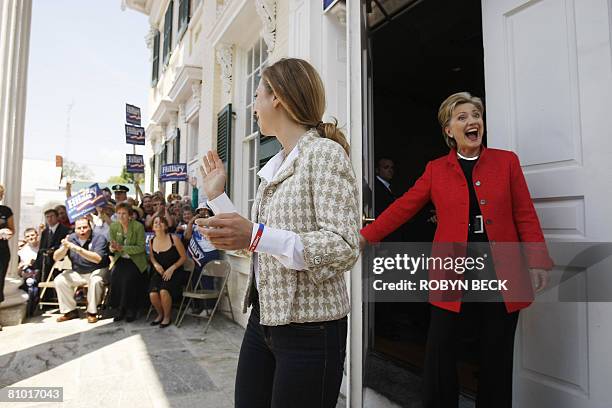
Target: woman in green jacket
127, 243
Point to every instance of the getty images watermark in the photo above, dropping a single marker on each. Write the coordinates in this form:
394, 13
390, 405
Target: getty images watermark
486, 272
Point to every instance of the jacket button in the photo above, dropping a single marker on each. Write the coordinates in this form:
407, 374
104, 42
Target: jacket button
317, 260
483, 202
489, 221
270, 193
477, 182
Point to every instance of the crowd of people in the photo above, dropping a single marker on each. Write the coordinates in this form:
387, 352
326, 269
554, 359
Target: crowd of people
130, 246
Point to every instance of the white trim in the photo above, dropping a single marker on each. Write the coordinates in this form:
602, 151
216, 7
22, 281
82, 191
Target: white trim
181, 88
163, 111
355, 122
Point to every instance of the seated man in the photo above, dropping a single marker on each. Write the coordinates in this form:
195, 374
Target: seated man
88, 252
27, 257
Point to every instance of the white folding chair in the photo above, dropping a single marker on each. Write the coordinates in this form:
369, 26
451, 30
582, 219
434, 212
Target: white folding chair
218, 269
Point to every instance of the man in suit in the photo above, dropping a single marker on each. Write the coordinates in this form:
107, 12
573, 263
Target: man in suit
50, 240
384, 195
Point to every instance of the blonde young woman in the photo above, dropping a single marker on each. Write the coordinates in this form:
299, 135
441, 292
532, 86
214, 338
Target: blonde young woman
303, 235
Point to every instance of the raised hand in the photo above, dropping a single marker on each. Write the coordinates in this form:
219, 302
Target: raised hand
214, 175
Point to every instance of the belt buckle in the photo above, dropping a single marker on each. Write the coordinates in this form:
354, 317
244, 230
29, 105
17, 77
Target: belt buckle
478, 227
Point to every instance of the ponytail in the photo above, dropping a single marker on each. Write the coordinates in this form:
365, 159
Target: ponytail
329, 130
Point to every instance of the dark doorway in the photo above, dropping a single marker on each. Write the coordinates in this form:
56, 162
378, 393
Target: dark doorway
420, 54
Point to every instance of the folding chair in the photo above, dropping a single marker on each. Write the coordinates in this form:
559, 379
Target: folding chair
219, 269
48, 283
188, 266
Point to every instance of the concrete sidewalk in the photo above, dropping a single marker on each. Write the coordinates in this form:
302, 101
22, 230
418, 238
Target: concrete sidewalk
117, 365
109, 364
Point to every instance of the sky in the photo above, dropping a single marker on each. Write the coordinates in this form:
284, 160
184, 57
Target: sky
92, 55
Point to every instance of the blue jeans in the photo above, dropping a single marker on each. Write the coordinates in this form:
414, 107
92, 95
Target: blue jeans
290, 366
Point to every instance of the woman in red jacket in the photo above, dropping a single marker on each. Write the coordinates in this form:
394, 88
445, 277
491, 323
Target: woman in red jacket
481, 196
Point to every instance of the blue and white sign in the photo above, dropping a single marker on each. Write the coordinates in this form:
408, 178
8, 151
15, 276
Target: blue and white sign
327, 4
132, 114
134, 163
84, 202
134, 135
173, 172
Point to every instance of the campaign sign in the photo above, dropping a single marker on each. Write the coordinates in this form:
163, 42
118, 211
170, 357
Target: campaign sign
134, 163
173, 172
148, 237
132, 114
84, 202
327, 4
134, 135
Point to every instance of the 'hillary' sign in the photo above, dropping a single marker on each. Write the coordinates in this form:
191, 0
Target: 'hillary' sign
327, 4
134, 163
173, 172
134, 135
84, 202
132, 114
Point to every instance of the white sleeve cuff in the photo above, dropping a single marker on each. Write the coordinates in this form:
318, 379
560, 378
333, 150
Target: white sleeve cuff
221, 205
286, 246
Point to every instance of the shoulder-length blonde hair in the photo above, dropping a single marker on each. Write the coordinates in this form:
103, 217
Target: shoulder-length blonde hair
299, 88
445, 113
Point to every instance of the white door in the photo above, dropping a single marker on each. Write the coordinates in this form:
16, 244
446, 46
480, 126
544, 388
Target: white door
548, 81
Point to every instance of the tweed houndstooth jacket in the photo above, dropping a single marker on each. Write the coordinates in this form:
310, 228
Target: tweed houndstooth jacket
317, 198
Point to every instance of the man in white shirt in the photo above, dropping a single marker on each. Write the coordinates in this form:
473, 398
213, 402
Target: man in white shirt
29, 252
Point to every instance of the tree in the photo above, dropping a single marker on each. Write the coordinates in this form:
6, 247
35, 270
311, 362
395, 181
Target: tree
75, 171
123, 178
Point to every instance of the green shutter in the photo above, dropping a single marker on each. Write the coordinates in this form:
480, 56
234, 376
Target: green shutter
155, 67
168, 32
183, 16
224, 141
176, 153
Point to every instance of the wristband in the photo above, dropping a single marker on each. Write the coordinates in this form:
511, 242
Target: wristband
257, 238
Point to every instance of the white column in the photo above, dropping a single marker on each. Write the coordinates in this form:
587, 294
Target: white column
15, 20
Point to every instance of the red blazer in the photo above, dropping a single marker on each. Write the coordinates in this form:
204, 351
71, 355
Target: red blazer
507, 210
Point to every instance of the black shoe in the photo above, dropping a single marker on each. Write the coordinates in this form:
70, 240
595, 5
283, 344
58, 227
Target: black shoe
130, 316
120, 316
163, 325
155, 323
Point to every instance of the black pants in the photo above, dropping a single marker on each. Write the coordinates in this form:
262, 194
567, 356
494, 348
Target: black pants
5, 258
127, 286
290, 366
497, 328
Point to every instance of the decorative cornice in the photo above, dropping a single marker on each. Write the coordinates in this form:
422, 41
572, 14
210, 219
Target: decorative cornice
186, 76
267, 12
196, 92
224, 59
149, 40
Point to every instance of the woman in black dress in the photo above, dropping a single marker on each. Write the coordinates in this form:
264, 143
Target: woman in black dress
7, 229
167, 255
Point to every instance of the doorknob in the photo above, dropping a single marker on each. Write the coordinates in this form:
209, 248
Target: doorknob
365, 220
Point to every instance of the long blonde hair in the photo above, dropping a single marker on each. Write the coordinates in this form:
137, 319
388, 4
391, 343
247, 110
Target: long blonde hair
299, 88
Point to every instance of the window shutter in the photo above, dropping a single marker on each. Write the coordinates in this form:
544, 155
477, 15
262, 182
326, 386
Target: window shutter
176, 146
224, 141
168, 32
183, 15
155, 68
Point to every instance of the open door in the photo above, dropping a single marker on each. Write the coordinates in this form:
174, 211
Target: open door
548, 84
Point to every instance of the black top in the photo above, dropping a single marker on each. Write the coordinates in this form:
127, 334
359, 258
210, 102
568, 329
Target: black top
96, 243
5, 214
468, 167
168, 257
